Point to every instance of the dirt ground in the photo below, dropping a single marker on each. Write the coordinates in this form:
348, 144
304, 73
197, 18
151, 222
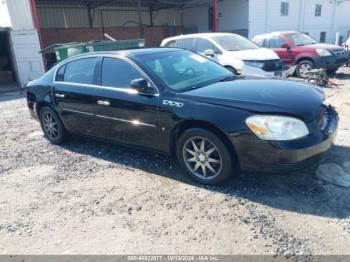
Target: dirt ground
90, 197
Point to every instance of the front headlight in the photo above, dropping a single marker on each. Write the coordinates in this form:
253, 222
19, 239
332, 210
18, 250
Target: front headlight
323, 52
280, 128
254, 63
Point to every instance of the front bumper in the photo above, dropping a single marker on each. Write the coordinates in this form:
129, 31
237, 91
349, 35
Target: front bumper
331, 62
286, 156
252, 70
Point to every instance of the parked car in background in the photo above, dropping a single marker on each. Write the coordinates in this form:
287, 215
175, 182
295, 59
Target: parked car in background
346, 45
295, 48
181, 103
232, 51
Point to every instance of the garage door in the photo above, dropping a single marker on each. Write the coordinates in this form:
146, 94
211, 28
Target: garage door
26, 49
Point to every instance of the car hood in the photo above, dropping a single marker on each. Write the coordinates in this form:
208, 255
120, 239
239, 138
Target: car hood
323, 46
254, 54
262, 95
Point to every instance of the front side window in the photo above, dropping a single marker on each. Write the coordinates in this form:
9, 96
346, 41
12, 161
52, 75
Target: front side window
186, 43
118, 73
234, 42
203, 45
284, 8
301, 39
183, 70
80, 71
318, 10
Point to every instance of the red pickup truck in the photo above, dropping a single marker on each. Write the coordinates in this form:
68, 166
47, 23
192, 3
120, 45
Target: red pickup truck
295, 48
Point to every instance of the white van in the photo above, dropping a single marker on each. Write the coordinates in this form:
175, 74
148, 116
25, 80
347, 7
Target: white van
232, 51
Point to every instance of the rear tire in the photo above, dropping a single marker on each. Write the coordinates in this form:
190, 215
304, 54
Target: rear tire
51, 125
303, 67
204, 156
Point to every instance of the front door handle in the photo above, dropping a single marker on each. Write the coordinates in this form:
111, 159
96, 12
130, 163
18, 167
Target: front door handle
59, 95
103, 102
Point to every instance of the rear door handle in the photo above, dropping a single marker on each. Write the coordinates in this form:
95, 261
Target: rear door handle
59, 95
103, 102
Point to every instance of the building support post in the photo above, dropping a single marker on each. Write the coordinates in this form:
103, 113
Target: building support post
91, 19
36, 22
142, 32
215, 14
151, 16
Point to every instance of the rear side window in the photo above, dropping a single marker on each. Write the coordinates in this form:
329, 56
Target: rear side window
170, 44
118, 73
276, 42
186, 43
80, 71
258, 40
60, 73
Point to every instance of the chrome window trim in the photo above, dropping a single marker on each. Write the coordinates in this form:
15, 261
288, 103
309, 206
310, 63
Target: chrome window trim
124, 90
78, 112
133, 122
117, 56
69, 61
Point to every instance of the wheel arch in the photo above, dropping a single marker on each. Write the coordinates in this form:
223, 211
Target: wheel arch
42, 103
308, 58
188, 124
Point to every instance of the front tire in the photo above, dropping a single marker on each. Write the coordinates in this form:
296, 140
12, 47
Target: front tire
331, 71
303, 67
204, 156
51, 125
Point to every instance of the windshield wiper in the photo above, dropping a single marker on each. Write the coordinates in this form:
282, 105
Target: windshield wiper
197, 86
227, 78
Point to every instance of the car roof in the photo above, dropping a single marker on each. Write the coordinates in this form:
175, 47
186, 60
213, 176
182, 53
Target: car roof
131, 53
135, 52
198, 35
277, 33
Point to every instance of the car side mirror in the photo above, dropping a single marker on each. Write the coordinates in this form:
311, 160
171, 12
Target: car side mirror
285, 46
141, 85
209, 53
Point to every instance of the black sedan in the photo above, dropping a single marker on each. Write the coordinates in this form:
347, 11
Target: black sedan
181, 103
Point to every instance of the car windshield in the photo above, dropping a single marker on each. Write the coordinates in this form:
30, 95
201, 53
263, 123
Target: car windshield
301, 39
184, 70
234, 42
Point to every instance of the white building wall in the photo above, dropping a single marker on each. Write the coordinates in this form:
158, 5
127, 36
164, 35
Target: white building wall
5, 20
24, 40
20, 14
265, 16
342, 19
233, 15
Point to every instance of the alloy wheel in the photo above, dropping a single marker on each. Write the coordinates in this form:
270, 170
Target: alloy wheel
304, 68
202, 157
50, 125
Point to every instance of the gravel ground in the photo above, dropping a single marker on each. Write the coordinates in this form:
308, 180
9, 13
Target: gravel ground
90, 197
